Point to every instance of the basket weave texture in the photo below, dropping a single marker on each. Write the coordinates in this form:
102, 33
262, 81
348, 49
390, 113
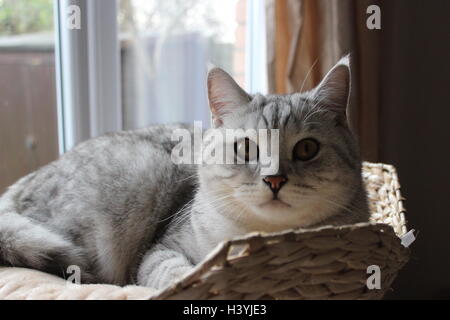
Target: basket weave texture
322, 263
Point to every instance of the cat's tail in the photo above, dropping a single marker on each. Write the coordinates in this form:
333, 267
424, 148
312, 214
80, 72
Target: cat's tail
26, 243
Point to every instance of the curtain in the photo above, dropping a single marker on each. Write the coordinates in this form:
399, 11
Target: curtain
166, 49
307, 37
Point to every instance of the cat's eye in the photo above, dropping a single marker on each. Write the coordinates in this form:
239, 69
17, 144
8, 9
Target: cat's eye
306, 149
246, 150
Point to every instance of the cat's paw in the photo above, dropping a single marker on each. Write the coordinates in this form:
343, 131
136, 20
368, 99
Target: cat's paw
161, 280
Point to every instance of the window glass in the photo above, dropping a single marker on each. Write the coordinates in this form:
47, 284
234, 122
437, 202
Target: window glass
28, 120
166, 47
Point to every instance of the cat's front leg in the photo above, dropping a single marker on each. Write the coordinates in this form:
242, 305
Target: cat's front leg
162, 266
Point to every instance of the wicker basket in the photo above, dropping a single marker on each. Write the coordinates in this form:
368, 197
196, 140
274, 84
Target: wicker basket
322, 263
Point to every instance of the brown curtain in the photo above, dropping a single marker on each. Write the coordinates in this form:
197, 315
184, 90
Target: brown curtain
307, 37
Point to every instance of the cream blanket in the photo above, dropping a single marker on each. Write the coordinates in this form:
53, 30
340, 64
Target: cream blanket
20, 283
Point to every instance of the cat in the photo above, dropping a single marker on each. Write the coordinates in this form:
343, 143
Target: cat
121, 210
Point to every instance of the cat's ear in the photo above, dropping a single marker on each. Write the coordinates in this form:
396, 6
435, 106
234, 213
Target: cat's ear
224, 95
334, 90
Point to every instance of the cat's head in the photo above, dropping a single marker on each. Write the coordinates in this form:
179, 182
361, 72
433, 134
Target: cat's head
319, 164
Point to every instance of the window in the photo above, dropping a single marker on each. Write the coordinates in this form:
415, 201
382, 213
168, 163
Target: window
131, 63
165, 49
158, 73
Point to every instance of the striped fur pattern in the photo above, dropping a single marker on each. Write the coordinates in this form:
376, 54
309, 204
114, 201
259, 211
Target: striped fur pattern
117, 206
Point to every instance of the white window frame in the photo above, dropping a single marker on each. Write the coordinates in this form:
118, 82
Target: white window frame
255, 51
87, 62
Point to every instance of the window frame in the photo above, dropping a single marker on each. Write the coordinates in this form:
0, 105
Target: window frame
255, 58
87, 64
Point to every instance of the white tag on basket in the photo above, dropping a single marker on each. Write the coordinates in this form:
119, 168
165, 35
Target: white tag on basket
408, 238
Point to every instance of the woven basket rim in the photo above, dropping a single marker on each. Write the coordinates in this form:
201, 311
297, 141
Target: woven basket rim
221, 250
220, 255
402, 228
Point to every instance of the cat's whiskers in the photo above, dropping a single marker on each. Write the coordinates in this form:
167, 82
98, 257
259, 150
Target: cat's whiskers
314, 110
241, 214
187, 178
309, 73
185, 209
212, 205
349, 208
178, 212
306, 78
184, 214
231, 211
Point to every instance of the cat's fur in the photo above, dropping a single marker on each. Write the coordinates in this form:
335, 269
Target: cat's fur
109, 205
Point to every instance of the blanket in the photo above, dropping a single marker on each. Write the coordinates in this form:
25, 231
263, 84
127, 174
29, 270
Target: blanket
21, 283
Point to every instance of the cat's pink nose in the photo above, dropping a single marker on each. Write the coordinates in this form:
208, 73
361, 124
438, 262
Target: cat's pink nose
275, 182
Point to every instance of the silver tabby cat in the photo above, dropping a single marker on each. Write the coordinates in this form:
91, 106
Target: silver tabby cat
121, 210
